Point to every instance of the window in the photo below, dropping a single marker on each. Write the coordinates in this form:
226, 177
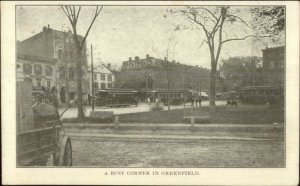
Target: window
38, 82
103, 86
281, 63
59, 54
95, 76
109, 77
102, 77
48, 83
109, 85
95, 85
38, 69
62, 72
276, 64
71, 74
271, 64
27, 68
48, 70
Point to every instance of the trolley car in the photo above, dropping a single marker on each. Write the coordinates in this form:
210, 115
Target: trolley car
273, 95
116, 97
39, 129
176, 97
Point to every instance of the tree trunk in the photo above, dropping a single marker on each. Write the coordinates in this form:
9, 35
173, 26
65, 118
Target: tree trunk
80, 116
212, 87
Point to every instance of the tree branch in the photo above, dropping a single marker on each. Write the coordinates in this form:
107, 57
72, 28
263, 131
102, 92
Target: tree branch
241, 20
243, 38
97, 12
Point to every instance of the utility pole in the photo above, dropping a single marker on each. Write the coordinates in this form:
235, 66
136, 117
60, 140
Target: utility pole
253, 73
92, 65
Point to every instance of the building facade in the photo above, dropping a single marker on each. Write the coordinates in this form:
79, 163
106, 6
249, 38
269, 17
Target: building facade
60, 47
151, 73
41, 71
103, 78
274, 65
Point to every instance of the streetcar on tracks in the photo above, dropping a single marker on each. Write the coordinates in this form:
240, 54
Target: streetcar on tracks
273, 95
40, 132
176, 97
116, 97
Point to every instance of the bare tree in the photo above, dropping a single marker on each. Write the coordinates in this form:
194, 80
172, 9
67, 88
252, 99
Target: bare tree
72, 13
220, 25
166, 64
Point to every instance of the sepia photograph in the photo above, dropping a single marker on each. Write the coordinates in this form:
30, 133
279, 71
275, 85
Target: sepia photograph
150, 86
142, 89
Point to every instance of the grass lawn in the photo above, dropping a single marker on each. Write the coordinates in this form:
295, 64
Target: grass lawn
242, 114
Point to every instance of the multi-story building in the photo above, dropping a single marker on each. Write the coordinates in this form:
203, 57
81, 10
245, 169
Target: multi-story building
103, 77
274, 65
41, 71
152, 73
58, 46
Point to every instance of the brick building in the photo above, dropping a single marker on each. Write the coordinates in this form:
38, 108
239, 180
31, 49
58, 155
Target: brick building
274, 65
151, 73
41, 71
57, 46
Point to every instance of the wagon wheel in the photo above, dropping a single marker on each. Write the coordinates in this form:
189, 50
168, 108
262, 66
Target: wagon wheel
65, 157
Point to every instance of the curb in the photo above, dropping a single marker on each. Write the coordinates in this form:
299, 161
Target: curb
168, 137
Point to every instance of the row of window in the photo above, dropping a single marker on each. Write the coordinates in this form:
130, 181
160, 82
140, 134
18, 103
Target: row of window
102, 85
37, 69
276, 64
103, 77
38, 83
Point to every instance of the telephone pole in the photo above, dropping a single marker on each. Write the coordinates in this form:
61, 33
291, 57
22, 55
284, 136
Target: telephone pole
92, 66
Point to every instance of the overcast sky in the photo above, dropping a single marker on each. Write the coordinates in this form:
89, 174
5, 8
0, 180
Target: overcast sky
123, 32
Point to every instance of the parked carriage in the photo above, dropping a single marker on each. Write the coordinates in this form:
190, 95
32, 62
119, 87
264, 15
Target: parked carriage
116, 97
272, 95
39, 129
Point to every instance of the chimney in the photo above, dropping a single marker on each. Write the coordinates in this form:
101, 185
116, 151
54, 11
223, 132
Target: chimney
48, 26
136, 58
147, 56
130, 58
109, 65
165, 58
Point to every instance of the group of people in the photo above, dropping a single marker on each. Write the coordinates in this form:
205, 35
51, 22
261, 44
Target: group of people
196, 102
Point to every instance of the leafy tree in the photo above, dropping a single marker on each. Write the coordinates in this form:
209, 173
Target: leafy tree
241, 71
270, 20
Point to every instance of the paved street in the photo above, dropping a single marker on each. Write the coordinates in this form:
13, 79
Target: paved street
102, 152
142, 107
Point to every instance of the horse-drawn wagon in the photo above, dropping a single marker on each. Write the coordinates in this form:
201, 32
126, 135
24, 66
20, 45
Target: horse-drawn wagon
40, 133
